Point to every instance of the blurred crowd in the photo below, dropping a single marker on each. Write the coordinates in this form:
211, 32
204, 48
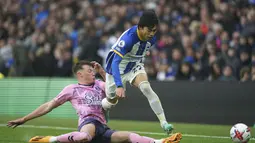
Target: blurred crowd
196, 39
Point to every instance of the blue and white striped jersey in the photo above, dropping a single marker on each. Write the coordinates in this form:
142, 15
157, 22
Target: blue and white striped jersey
126, 52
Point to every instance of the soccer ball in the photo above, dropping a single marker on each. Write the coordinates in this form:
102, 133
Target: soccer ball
240, 133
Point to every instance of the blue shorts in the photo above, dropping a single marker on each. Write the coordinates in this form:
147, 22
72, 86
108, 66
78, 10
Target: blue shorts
103, 132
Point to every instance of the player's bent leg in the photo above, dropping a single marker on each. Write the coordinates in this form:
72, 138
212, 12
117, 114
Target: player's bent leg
108, 103
111, 98
86, 134
65, 138
141, 81
153, 99
74, 137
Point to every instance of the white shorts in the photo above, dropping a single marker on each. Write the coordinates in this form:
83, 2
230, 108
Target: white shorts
110, 86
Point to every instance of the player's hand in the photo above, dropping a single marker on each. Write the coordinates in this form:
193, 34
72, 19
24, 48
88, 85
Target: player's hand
97, 67
120, 92
14, 123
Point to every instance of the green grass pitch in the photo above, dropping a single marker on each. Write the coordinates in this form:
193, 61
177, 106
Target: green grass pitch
192, 133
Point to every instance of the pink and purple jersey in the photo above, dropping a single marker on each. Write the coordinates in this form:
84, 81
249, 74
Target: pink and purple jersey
85, 99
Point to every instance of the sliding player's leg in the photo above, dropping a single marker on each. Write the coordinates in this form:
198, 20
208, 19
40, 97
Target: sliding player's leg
124, 137
85, 133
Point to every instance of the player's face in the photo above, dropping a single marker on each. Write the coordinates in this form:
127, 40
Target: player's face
148, 32
87, 74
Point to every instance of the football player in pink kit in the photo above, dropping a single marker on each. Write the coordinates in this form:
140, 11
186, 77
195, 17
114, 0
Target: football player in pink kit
86, 97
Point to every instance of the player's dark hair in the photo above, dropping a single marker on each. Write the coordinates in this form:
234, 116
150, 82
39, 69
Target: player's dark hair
148, 19
78, 66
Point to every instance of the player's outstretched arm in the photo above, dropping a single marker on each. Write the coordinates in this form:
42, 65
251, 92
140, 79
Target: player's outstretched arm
40, 111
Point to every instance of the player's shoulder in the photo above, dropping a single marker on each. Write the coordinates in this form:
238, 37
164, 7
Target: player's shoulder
70, 86
100, 83
132, 31
130, 35
153, 40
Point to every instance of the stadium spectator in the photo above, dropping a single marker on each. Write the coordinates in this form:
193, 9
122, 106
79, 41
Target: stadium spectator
215, 72
245, 74
227, 74
185, 72
198, 32
253, 73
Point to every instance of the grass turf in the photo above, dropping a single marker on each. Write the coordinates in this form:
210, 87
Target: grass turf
192, 133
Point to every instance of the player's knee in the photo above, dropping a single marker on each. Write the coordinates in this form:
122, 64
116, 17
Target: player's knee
145, 87
133, 137
109, 103
86, 138
147, 90
113, 100
82, 137
120, 137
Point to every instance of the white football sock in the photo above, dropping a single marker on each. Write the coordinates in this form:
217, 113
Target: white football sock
53, 139
153, 100
159, 141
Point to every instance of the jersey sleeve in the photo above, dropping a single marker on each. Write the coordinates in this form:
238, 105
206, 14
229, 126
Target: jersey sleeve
123, 45
65, 95
116, 71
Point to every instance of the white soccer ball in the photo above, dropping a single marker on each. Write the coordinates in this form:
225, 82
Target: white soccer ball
240, 133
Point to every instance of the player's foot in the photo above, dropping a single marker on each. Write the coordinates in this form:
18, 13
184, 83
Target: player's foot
168, 128
175, 138
40, 139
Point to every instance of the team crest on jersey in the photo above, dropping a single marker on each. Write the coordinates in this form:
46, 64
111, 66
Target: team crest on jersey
121, 43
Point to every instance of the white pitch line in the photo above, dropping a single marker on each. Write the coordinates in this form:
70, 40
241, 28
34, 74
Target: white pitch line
139, 132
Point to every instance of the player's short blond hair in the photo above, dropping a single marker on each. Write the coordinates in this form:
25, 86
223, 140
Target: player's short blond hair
79, 65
